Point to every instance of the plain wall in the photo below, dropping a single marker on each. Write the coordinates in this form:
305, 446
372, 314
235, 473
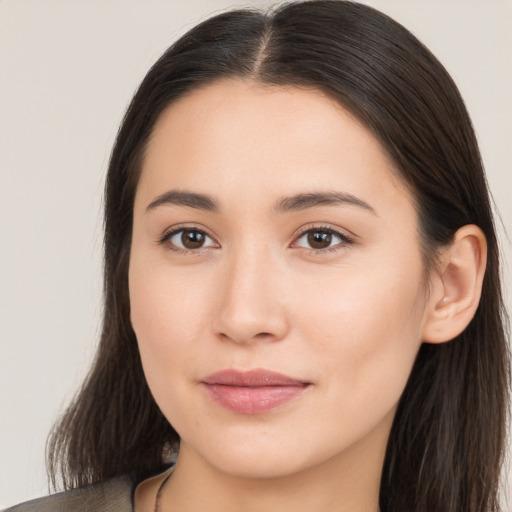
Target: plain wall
67, 72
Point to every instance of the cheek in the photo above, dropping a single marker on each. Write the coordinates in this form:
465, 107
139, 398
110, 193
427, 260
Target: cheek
365, 331
167, 315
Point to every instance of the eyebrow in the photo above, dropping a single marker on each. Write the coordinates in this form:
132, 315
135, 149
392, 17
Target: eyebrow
312, 199
286, 204
184, 198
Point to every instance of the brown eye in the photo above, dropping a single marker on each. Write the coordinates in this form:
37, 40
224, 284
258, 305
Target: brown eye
322, 239
188, 240
192, 239
319, 239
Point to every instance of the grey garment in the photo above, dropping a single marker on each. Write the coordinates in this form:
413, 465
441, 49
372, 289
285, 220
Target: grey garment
112, 496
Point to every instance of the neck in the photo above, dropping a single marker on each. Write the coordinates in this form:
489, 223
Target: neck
347, 482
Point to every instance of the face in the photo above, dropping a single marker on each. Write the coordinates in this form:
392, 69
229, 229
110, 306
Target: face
271, 233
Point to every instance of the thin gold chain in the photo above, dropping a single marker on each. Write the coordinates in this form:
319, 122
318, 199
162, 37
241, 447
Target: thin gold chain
161, 488
159, 492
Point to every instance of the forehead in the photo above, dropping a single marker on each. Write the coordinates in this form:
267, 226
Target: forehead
242, 137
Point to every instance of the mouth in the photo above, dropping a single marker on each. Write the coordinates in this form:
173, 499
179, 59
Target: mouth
252, 392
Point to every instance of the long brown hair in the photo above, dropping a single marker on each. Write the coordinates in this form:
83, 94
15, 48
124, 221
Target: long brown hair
446, 446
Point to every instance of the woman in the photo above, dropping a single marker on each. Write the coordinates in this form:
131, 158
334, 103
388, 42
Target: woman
302, 298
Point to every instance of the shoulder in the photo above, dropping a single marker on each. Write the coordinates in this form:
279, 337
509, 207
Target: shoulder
111, 496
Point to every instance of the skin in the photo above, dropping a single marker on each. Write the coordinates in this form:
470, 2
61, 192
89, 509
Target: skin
348, 318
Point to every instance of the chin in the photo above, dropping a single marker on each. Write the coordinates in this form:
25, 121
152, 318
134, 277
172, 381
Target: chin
257, 460
258, 467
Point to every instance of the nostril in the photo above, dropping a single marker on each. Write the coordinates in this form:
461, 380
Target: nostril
247, 338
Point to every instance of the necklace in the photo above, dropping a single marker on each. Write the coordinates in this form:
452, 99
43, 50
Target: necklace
159, 492
161, 488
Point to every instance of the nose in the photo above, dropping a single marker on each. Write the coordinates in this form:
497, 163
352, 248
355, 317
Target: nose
250, 300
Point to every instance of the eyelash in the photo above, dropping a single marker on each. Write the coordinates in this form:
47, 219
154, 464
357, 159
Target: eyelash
345, 240
165, 240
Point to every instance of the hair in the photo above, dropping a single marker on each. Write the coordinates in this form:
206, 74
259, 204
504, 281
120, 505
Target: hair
446, 444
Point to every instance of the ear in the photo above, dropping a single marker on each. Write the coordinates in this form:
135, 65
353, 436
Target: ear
456, 286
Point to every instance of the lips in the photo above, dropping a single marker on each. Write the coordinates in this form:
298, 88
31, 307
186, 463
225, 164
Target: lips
252, 392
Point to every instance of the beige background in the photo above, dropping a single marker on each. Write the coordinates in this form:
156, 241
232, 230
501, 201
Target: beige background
67, 72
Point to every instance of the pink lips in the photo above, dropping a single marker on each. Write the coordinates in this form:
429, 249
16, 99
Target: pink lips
252, 392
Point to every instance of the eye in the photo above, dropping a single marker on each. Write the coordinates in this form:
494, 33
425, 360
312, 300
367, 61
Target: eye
187, 239
322, 239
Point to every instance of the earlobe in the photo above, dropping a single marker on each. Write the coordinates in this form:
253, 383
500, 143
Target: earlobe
457, 286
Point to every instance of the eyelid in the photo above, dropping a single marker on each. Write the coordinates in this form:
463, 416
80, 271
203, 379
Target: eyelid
346, 238
173, 230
